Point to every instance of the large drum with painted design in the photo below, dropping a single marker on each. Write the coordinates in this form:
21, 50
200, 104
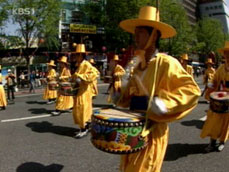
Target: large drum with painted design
118, 131
68, 89
219, 102
52, 85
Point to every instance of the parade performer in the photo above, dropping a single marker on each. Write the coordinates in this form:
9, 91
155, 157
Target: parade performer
208, 78
10, 83
50, 95
116, 83
63, 103
84, 75
172, 93
184, 63
93, 85
216, 125
3, 102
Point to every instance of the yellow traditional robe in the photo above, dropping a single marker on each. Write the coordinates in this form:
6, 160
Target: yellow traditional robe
82, 108
208, 78
64, 102
50, 94
3, 101
117, 81
178, 90
189, 69
217, 125
94, 86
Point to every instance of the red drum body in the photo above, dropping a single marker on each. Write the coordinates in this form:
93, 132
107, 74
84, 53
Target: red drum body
118, 131
68, 89
52, 85
219, 102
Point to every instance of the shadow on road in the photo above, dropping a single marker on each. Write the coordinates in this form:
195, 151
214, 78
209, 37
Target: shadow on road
202, 102
37, 167
47, 127
36, 102
40, 111
102, 106
197, 123
176, 151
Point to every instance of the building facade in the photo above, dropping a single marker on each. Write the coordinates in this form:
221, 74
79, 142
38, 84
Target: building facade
217, 9
74, 27
191, 8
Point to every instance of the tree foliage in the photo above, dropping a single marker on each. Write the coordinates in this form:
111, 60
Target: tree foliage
41, 22
173, 13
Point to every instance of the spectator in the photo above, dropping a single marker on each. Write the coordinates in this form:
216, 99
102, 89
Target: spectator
22, 80
37, 79
32, 82
10, 83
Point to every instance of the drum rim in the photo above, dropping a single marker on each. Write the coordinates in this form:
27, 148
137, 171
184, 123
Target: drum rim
122, 124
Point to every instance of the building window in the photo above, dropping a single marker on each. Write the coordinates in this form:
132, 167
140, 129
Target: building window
76, 17
63, 16
206, 8
216, 7
220, 6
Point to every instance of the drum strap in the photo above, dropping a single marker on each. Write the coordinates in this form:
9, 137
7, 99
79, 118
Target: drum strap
148, 128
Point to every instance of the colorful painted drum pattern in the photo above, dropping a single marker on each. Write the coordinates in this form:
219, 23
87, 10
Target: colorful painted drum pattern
68, 89
219, 102
118, 131
52, 85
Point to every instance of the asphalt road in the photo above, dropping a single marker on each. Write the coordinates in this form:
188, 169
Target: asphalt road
33, 141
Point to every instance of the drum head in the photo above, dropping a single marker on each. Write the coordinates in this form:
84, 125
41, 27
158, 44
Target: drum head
118, 115
52, 82
220, 95
65, 83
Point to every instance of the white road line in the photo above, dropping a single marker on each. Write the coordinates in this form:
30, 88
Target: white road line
31, 117
25, 118
203, 118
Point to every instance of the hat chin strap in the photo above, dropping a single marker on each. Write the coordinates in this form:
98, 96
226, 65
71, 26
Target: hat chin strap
141, 53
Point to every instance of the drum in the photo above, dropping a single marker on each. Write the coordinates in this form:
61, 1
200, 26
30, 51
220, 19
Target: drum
118, 131
52, 85
219, 102
68, 89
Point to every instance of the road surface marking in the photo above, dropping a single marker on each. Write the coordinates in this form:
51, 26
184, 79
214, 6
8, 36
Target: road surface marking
25, 118
33, 117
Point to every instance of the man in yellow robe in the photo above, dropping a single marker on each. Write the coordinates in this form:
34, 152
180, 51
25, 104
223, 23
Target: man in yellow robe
117, 74
63, 102
208, 78
217, 124
172, 92
94, 86
184, 63
3, 102
84, 75
50, 95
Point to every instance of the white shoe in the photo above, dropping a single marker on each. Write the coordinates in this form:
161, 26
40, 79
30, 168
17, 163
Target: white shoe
56, 113
220, 147
81, 134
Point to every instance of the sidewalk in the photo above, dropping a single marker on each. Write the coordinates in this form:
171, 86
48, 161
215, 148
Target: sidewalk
25, 91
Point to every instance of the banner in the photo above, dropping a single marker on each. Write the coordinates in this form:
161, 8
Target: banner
81, 28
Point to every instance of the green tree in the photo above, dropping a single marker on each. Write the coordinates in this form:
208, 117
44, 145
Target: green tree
210, 34
174, 14
108, 14
38, 25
